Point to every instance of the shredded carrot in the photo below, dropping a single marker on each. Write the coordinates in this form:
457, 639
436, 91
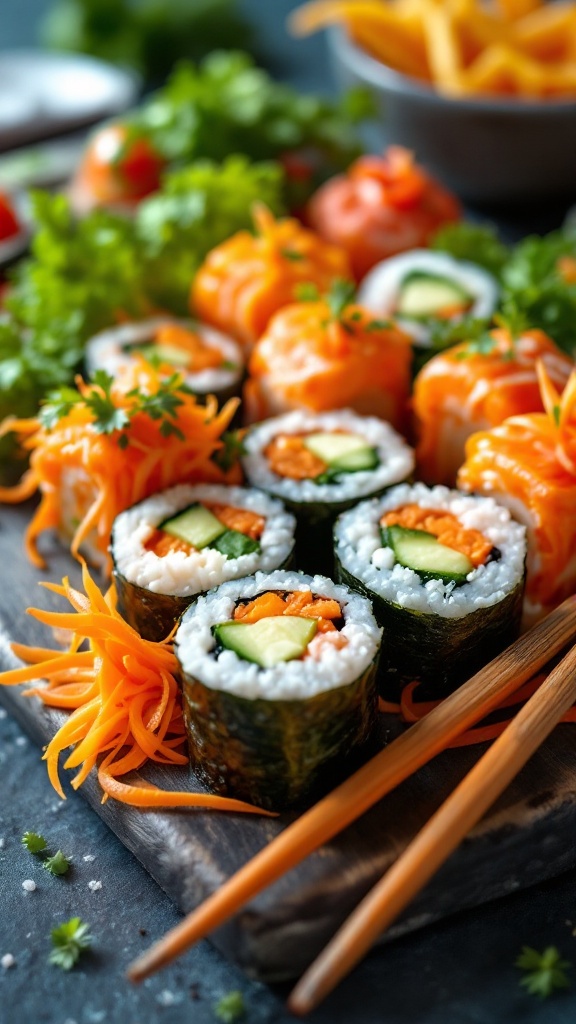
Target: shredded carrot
445, 527
75, 460
410, 711
124, 700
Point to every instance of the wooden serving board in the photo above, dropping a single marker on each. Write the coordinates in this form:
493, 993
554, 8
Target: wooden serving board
528, 836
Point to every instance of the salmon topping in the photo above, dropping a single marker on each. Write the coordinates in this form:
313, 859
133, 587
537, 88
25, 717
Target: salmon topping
301, 603
445, 527
239, 519
288, 456
201, 356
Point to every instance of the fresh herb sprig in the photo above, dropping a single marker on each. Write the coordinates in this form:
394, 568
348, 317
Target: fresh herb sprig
230, 1008
544, 972
57, 865
69, 940
34, 842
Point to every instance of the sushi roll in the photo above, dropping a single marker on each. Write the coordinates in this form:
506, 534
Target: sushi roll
330, 353
279, 685
247, 278
421, 287
182, 542
445, 572
474, 386
210, 362
321, 464
528, 463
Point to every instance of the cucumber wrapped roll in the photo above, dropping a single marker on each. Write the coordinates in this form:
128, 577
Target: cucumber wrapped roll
279, 685
445, 573
210, 362
182, 542
319, 464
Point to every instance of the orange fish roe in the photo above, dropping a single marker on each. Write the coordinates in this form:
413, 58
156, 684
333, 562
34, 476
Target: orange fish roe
299, 603
240, 519
201, 356
288, 456
445, 527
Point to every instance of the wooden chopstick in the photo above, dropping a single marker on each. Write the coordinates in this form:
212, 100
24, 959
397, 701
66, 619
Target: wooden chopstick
396, 762
440, 836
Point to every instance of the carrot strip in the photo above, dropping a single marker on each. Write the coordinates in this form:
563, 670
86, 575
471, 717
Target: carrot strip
124, 700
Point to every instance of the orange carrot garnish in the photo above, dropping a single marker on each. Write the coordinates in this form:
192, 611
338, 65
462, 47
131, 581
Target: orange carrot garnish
124, 699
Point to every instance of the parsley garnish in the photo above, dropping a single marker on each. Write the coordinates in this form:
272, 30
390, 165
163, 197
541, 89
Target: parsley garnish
340, 296
59, 403
69, 940
544, 972
376, 325
58, 864
233, 448
107, 416
34, 842
306, 291
230, 1007
484, 345
292, 255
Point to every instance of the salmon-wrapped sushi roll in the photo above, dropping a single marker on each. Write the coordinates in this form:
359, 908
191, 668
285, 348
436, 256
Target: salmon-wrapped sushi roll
330, 354
475, 386
529, 464
244, 281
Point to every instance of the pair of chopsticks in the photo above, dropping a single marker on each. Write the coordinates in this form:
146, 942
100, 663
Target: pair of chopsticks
414, 748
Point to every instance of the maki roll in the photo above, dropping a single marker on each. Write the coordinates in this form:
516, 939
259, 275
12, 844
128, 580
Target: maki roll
422, 288
445, 572
474, 386
210, 362
279, 685
319, 465
181, 542
330, 353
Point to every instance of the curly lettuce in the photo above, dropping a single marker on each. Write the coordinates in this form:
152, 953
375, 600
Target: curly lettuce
535, 286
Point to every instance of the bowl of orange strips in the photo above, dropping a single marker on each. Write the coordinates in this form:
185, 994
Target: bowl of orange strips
485, 94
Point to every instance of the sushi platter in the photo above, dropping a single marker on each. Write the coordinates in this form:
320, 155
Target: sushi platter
298, 482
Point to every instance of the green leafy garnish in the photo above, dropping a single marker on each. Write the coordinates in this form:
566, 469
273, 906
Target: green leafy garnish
69, 940
232, 449
544, 972
306, 291
58, 864
230, 1007
533, 286
34, 842
107, 416
484, 345
478, 243
339, 297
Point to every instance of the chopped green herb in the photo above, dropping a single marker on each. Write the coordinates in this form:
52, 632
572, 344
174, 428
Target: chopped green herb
478, 243
306, 292
58, 864
233, 448
544, 972
34, 842
69, 940
484, 345
340, 296
230, 1007
556, 414
291, 254
377, 325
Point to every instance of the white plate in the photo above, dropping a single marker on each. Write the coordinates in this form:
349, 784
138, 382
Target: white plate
44, 93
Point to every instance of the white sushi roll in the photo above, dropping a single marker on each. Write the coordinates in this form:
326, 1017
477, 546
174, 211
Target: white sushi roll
114, 350
422, 285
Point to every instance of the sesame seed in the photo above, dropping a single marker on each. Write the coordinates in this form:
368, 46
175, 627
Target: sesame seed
89, 857
7, 961
29, 885
94, 886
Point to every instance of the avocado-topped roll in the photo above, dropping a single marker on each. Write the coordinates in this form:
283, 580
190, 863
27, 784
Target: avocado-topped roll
422, 288
210, 362
279, 685
181, 542
445, 572
320, 464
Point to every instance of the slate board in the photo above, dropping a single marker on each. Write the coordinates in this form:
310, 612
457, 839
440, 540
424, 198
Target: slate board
528, 836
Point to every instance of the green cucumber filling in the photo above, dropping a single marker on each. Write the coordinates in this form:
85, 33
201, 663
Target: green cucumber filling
269, 641
423, 552
425, 295
200, 528
342, 453
156, 352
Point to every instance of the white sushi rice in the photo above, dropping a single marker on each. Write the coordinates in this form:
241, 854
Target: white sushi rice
105, 351
396, 457
182, 574
360, 551
380, 289
290, 680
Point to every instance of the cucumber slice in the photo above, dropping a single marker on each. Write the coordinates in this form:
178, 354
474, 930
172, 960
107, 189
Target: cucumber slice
423, 552
195, 525
165, 353
232, 543
331, 447
355, 461
424, 295
269, 641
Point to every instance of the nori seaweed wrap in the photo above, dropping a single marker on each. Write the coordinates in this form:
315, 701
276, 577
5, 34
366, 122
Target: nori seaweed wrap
276, 705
